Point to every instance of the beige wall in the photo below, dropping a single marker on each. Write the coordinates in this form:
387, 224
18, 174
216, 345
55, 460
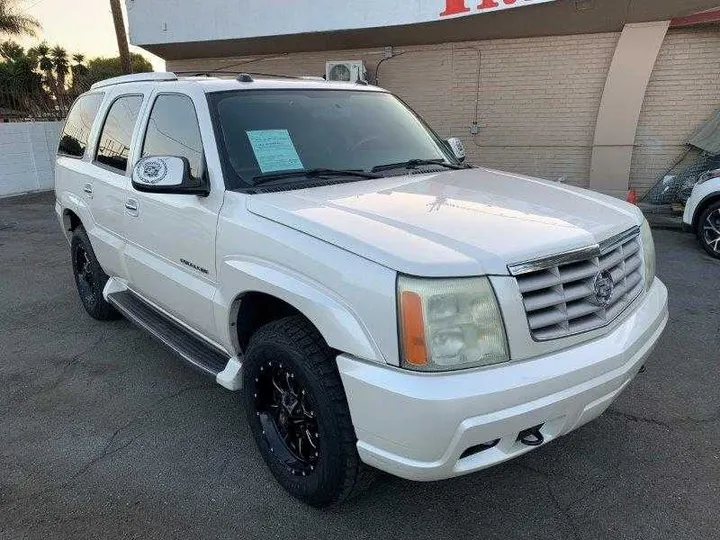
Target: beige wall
537, 98
684, 91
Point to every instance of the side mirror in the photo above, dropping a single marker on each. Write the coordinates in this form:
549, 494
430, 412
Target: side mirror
167, 174
457, 148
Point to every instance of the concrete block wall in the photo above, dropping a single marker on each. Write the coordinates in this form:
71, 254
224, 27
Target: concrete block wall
27, 156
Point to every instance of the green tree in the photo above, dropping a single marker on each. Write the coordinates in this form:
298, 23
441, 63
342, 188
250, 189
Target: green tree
15, 23
104, 68
21, 88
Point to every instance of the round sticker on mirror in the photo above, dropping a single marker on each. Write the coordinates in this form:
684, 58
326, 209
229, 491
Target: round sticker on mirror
153, 170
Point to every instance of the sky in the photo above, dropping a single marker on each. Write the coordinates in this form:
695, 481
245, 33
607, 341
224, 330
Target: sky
80, 26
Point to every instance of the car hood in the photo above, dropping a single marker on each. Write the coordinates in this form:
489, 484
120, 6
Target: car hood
455, 223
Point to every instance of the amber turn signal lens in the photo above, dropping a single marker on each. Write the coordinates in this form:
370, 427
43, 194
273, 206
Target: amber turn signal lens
413, 329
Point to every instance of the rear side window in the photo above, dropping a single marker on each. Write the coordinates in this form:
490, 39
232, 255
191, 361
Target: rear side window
173, 130
79, 123
116, 136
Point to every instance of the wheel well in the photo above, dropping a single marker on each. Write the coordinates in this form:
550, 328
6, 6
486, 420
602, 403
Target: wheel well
711, 199
256, 309
71, 220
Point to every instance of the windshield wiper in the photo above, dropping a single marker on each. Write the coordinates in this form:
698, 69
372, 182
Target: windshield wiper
310, 173
413, 163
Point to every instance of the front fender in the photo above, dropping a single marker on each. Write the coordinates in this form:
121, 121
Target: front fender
339, 325
701, 194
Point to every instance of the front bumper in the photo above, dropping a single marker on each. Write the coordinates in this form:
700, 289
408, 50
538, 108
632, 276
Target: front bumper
420, 426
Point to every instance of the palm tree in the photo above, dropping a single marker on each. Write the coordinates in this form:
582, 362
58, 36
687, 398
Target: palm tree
20, 86
41, 54
125, 60
61, 64
15, 23
78, 69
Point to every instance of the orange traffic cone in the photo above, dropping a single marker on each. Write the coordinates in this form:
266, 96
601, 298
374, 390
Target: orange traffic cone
632, 197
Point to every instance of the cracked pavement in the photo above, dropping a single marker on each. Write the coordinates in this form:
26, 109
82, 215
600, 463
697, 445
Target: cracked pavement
106, 434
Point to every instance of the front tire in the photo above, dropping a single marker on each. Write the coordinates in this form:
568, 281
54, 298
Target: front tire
90, 278
298, 413
708, 230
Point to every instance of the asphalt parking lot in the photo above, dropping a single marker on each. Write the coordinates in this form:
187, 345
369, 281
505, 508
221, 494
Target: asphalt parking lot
105, 434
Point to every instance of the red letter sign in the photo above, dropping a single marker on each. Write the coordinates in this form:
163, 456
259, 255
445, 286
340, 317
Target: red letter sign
487, 4
453, 7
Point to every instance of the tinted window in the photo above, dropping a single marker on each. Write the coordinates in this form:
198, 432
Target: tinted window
269, 131
79, 123
117, 132
173, 130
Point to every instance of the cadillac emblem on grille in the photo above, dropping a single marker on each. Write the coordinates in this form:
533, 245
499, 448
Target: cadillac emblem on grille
603, 288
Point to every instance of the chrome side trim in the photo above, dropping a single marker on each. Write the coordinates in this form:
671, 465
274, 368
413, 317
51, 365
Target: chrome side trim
572, 256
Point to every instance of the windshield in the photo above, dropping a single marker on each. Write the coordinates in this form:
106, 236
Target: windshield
270, 131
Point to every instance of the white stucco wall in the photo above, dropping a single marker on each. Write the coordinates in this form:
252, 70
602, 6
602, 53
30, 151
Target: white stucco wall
27, 156
177, 21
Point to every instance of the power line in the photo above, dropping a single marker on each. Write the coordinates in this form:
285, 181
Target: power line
28, 8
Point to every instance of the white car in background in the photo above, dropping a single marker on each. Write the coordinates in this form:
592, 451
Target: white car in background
702, 212
381, 304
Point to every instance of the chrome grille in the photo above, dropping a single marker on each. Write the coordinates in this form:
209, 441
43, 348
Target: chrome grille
559, 293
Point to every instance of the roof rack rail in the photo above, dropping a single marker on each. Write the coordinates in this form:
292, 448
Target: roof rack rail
209, 72
136, 77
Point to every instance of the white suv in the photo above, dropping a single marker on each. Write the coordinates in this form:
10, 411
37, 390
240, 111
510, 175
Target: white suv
382, 304
702, 212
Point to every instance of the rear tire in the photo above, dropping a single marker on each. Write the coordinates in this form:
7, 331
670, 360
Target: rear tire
299, 415
89, 277
708, 230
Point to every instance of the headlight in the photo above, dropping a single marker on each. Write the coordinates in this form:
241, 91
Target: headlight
448, 324
648, 253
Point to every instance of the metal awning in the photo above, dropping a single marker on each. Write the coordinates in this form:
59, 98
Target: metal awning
707, 138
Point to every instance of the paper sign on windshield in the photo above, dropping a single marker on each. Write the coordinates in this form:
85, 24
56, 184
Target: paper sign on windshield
274, 150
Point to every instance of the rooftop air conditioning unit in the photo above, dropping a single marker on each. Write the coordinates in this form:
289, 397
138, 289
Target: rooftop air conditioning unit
345, 71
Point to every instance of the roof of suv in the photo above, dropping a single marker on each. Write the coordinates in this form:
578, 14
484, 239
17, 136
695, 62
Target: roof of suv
219, 84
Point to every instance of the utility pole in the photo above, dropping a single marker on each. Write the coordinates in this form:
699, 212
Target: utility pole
121, 36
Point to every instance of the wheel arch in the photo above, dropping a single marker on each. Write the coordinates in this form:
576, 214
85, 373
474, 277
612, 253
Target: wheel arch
70, 220
253, 309
703, 205
268, 293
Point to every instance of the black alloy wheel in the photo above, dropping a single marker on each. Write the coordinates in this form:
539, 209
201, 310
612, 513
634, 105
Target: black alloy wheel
299, 415
90, 278
288, 421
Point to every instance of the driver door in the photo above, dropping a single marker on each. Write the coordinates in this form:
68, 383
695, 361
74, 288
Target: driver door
170, 252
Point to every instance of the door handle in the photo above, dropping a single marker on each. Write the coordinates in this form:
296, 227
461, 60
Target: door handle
87, 188
131, 205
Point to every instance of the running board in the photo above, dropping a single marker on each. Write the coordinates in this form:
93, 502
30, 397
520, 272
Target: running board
192, 349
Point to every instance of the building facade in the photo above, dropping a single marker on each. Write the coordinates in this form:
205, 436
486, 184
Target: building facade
600, 94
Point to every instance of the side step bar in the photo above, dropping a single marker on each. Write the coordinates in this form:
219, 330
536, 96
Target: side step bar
197, 352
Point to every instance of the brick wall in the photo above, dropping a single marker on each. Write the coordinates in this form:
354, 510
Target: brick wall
27, 156
684, 91
536, 101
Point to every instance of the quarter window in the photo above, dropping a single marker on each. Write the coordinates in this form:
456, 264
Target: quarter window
173, 130
79, 123
114, 147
